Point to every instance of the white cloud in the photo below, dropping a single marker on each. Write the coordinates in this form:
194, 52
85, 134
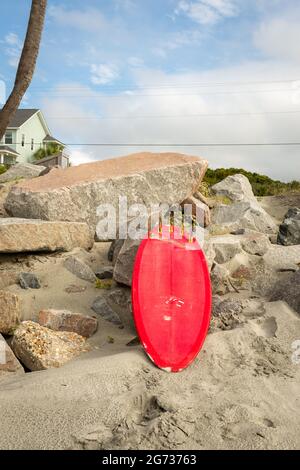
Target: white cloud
88, 20
177, 40
12, 48
207, 12
182, 127
135, 61
102, 74
79, 156
280, 37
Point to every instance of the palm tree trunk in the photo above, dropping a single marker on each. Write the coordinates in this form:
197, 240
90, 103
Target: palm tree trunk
27, 62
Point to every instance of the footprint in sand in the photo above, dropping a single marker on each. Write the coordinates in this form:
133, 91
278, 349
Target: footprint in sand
266, 328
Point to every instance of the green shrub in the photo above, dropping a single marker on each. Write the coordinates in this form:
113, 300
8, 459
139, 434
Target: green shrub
262, 185
3, 169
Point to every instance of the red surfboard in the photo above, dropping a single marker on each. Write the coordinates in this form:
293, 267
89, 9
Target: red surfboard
171, 297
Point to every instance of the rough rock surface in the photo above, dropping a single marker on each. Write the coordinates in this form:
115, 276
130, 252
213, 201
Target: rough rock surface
289, 291
24, 235
9, 312
40, 348
283, 258
289, 230
29, 281
237, 188
255, 243
9, 364
63, 320
225, 247
220, 280
114, 250
244, 214
74, 194
125, 261
102, 308
199, 210
119, 299
21, 170
80, 269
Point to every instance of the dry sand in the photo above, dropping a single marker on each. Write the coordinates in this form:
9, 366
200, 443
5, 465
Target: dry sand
242, 392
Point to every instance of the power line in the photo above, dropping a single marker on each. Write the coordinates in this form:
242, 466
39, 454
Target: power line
175, 144
133, 144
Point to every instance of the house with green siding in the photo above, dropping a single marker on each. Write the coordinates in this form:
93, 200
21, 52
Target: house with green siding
27, 132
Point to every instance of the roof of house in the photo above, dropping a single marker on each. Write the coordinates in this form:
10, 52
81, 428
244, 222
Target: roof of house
6, 148
21, 116
49, 138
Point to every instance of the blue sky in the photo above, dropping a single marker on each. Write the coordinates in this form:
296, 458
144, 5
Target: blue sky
166, 71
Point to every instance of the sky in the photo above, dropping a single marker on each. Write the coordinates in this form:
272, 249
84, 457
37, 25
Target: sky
153, 74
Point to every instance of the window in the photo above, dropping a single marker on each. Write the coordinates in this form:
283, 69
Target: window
23, 140
32, 144
8, 138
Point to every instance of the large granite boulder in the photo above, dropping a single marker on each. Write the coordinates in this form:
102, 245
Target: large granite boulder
237, 188
289, 230
24, 235
244, 210
245, 214
21, 171
40, 348
74, 194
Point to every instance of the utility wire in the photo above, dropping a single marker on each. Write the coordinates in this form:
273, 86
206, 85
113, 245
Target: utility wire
133, 144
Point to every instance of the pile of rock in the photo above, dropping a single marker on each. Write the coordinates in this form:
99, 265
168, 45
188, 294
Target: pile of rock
57, 212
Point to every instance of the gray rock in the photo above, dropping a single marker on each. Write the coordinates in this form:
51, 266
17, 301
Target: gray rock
119, 300
105, 272
29, 281
245, 214
80, 269
221, 307
199, 210
21, 170
114, 250
209, 252
102, 308
237, 188
220, 280
255, 243
226, 247
9, 364
289, 230
280, 257
75, 193
288, 290
125, 261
